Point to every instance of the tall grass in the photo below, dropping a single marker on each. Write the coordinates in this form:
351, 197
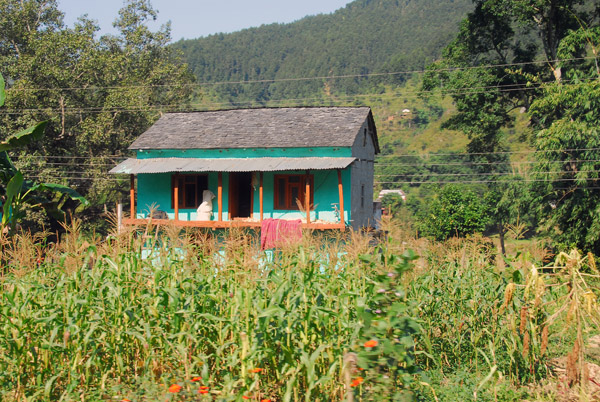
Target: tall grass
95, 320
336, 317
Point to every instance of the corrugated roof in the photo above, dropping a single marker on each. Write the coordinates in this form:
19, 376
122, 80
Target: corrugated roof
166, 165
258, 128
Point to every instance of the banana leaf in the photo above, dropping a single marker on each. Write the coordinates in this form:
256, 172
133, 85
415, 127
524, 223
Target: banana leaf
24, 137
12, 190
60, 189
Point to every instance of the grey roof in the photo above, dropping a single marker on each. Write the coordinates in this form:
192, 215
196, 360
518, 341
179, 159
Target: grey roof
165, 165
258, 128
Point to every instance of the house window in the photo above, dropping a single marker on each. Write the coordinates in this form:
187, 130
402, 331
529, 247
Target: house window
190, 189
291, 187
365, 138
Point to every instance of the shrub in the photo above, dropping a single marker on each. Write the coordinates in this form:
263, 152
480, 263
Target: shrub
457, 211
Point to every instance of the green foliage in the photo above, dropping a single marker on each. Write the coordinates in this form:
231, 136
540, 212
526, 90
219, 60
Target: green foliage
98, 319
487, 331
364, 37
16, 191
96, 94
457, 211
567, 143
386, 315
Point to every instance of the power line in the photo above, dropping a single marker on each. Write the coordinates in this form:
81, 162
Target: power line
425, 156
295, 79
499, 174
470, 163
486, 181
432, 155
206, 106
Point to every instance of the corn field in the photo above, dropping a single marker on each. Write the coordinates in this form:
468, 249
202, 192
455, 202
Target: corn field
164, 315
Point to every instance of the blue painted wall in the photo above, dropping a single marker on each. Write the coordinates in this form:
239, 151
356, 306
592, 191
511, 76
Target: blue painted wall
155, 189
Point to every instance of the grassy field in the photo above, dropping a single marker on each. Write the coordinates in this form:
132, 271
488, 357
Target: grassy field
332, 318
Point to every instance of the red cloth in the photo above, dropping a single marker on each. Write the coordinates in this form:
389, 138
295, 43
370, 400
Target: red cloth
276, 232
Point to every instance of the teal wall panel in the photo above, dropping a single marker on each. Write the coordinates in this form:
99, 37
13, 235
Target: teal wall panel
155, 189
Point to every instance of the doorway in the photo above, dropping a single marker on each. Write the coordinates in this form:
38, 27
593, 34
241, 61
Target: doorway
240, 195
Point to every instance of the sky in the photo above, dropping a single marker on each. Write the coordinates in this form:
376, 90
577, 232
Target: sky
195, 18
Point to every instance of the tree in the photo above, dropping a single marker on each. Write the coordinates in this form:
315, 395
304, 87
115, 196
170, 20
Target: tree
97, 94
508, 204
504, 50
457, 211
537, 55
566, 120
16, 191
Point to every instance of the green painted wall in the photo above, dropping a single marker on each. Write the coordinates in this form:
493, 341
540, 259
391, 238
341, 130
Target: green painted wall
155, 189
246, 153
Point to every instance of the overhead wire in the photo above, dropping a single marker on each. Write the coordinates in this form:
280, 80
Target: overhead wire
295, 79
206, 106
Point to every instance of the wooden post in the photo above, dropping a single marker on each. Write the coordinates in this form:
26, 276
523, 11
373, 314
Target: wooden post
341, 191
119, 217
176, 196
260, 195
307, 197
220, 197
132, 195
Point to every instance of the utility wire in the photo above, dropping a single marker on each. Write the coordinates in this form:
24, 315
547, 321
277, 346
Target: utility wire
295, 79
469, 163
206, 106
424, 156
433, 155
499, 174
486, 181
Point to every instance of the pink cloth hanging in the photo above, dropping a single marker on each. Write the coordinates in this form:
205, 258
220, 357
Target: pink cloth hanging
277, 232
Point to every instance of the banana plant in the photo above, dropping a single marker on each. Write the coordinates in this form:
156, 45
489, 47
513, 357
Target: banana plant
15, 190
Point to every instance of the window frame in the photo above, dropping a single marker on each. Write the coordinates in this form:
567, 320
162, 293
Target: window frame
290, 204
183, 189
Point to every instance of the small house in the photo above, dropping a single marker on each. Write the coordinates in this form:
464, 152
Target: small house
313, 164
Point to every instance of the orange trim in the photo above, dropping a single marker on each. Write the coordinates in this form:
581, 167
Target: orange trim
260, 196
307, 196
341, 191
220, 197
132, 195
224, 224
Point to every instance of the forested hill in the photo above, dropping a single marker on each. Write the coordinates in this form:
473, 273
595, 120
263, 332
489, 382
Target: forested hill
366, 36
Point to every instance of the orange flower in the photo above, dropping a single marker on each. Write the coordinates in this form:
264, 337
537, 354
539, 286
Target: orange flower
203, 391
371, 344
256, 370
204, 387
356, 382
246, 397
196, 379
175, 388
265, 400
125, 400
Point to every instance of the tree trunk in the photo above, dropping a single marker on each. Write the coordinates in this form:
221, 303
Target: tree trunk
501, 232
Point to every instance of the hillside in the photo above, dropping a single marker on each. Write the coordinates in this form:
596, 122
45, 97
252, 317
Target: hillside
365, 37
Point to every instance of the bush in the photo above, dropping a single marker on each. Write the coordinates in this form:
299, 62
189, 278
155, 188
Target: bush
457, 211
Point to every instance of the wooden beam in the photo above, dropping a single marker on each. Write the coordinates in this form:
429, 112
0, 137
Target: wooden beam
307, 197
220, 197
132, 195
176, 196
341, 191
224, 224
260, 195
